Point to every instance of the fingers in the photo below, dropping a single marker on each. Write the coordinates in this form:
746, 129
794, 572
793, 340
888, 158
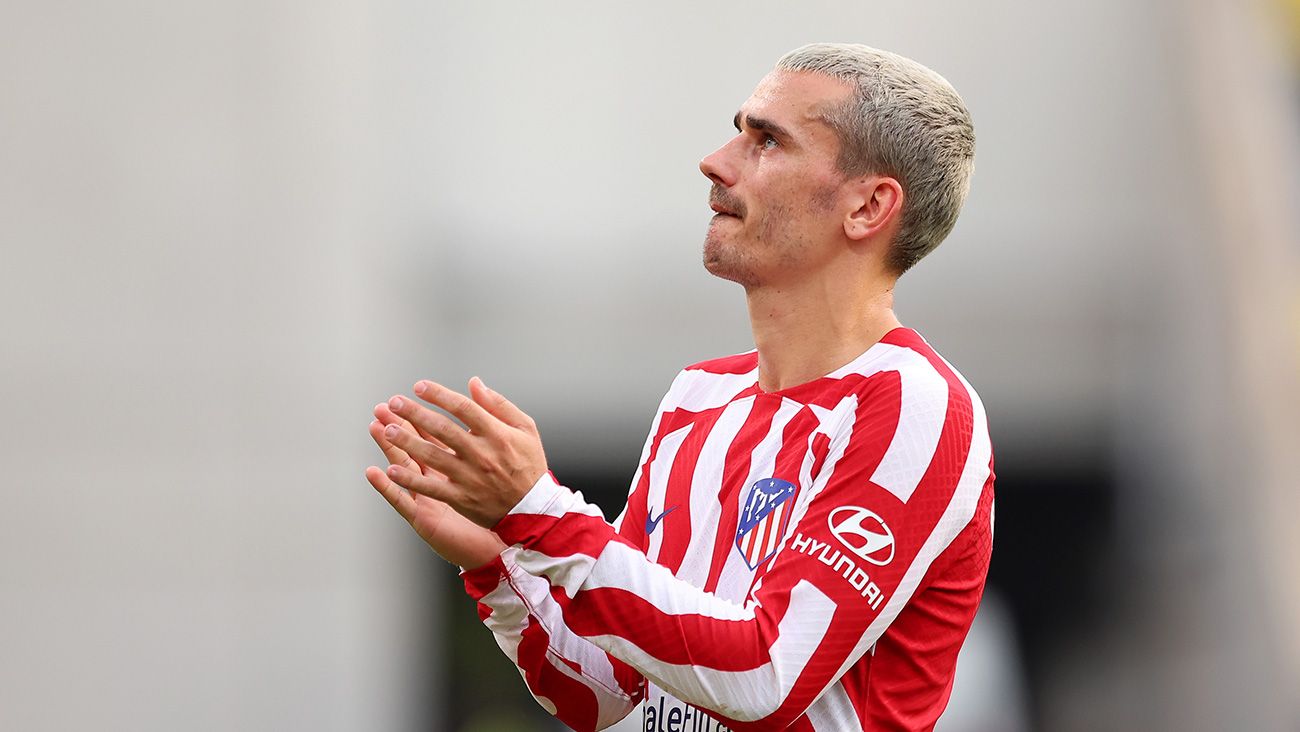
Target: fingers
426, 454
500, 407
397, 496
395, 454
435, 425
386, 417
385, 414
434, 486
473, 416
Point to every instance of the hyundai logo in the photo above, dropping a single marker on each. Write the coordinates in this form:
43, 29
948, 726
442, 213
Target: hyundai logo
864, 533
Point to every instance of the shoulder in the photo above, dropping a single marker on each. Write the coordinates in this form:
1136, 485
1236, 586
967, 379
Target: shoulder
905, 365
918, 416
909, 397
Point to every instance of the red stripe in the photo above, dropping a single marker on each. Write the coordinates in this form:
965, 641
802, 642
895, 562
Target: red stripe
570, 534
633, 526
753, 540
739, 455
628, 678
856, 682
790, 458
880, 407
576, 705
480, 581
673, 545
780, 516
732, 645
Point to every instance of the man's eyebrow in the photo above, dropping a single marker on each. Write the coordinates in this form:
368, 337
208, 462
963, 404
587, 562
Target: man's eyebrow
762, 125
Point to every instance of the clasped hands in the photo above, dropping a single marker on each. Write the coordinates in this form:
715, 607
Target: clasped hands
454, 481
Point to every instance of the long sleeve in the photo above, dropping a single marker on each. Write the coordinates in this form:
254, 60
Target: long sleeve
570, 677
902, 473
573, 679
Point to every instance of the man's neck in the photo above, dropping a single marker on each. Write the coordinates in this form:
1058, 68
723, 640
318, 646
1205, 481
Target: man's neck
806, 332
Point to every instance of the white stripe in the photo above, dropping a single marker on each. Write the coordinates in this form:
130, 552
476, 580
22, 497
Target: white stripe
775, 532
834, 712
625, 568
508, 618
956, 517
805, 475
697, 390
752, 694
536, 594
548, 498
660, 469
512, 601
736, 576
865, 364
924, 404
706, 483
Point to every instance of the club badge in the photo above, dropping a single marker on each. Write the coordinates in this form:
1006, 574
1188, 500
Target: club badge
763, 519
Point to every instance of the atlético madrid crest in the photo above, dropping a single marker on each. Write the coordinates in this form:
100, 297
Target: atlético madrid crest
763, 519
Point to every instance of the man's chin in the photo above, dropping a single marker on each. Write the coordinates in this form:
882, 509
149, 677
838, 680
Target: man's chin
718, 264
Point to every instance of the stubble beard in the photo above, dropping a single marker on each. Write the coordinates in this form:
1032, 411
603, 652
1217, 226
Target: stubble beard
738, 261
725, 260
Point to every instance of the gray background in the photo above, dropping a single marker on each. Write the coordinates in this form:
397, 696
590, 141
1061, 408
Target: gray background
229, 229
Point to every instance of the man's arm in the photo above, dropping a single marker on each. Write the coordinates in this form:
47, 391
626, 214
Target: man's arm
825, 599
572, 679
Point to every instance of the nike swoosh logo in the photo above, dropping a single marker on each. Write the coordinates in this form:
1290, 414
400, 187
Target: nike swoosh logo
653, 523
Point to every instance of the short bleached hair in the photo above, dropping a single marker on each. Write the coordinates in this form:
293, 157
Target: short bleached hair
904, 121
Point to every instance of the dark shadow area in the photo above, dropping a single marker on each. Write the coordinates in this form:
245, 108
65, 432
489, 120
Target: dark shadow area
1054, 541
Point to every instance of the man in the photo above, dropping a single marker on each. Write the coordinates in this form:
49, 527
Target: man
806, 539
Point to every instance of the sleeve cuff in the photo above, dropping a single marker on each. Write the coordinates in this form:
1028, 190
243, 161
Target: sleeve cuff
540, 502
540, 497
482, 580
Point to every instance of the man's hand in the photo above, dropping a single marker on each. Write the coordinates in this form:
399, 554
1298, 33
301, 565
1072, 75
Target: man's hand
481, 469
454, 537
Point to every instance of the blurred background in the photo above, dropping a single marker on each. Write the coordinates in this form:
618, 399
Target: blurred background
230, 228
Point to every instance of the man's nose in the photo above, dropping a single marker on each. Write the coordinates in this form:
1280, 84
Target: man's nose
717, 167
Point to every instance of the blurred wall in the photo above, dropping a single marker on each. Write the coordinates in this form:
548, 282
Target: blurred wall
190, 198
229, 229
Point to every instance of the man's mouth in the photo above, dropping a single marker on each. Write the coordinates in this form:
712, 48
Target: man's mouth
720, 211
724, 203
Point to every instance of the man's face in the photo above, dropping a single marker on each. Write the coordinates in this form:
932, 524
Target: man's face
775, 183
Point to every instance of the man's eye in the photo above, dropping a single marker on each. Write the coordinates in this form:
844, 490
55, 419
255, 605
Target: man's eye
769, 142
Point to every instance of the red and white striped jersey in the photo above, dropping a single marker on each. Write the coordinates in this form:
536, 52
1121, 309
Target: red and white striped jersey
807, 559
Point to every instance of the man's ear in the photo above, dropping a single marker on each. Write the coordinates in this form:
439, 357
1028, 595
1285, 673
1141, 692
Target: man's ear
879, 201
